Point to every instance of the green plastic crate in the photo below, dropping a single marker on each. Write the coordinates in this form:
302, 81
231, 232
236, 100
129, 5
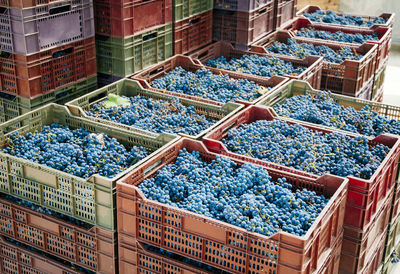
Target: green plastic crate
185, 8
91, 200
392, 245
124, 56
379, 79
11, 106
296, 87
130, 88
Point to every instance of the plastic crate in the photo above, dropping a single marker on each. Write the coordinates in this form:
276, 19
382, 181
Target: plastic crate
105, 79
285, 10
392, 246
365, 264
42, 73
185, 8
243, 28
311, 9
147, 76
313, 63
130, 88
384, 34
379, 96
25, 3
217, 243
15, 259
91, 248
296, 88
364, 197
193, 33
379, 79
347, 78
366, 91
13, 106
359, 243
59, 22
125, 56
240, 5
332, 264
135, 258
90, 200
123, 18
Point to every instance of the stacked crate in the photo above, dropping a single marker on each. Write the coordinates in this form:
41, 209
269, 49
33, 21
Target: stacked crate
192, 25
47, 53
131, 35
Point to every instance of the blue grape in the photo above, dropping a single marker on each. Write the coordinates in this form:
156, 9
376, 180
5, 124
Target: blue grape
205, 84
301, 148
322, 109
244, 196
256, 65
340, 36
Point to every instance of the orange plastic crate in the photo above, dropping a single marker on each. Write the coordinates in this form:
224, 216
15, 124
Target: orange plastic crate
347, 78
384, 34
313, 63
15, 259
217, 243
193, 33
147, 76
40, 73
91, 248
123, 18
364, 197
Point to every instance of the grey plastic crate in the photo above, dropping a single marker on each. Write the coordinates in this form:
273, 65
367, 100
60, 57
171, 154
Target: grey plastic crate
31, 30
240, 5
90, 200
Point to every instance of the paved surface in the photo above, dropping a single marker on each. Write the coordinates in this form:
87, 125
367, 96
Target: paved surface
391, 86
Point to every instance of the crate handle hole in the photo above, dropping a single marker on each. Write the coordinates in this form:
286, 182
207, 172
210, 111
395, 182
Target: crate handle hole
194, 21
3, 10
150, 36
228, 127
62, 52
61, 9
156, 70
262, 11
201, 55
97, 97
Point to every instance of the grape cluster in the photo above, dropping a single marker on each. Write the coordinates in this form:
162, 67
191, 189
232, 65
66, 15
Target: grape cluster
256, 65
322, 109
244, 196
154, 115
394, 257
331, 17
77, 152
205, 84
340, 36
301, 148
302, 50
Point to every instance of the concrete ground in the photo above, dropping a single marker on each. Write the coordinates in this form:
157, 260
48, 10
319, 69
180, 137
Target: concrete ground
391, 87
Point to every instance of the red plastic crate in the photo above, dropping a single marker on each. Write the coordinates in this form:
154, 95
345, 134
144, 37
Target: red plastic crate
285, 10
332, 264
135, 258
388, 16
27, 3
147, 76
364, 196
367, 263
347, 78
91, 248
15, 259
193, 33
313, 63
243, 28
40, 73
217, 243
384, 34
358, 242
366, 91
123, 18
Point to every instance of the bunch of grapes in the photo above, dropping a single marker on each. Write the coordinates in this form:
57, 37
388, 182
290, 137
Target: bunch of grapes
340, 36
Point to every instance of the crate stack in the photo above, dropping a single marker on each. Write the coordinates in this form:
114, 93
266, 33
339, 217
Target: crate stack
244, 22
192, 25
47, 53
131, 35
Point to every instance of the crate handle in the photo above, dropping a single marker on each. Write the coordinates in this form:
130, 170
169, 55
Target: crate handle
262, 11
201, 55
150, 36
153, 166
61, 9
62, 52
194, 21
97, 97
156, 70
228, 127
